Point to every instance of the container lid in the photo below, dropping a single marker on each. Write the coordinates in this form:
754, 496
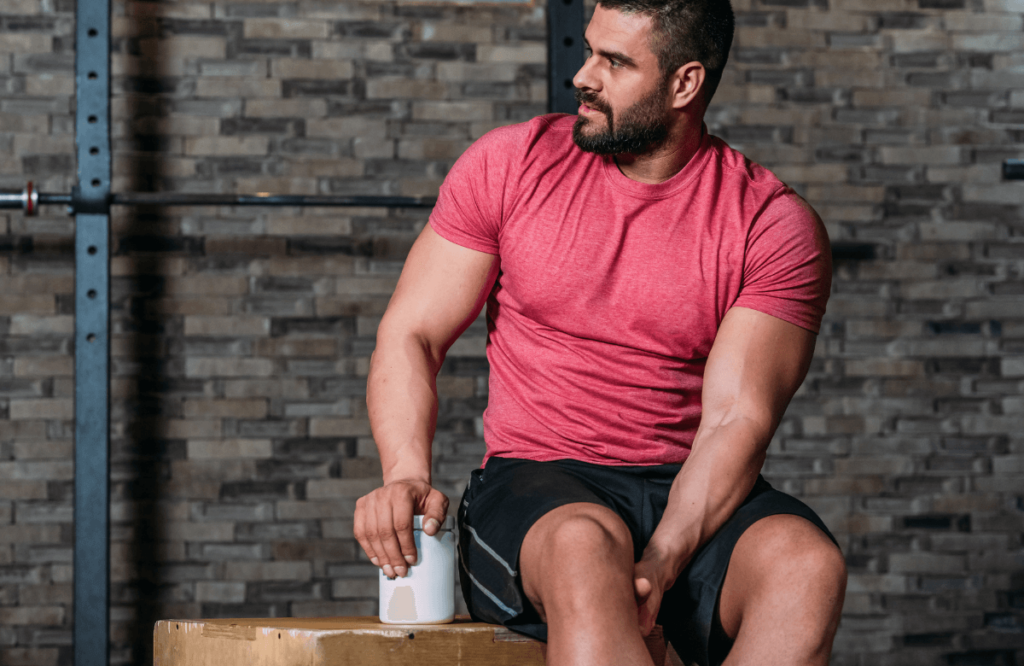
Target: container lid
417, 523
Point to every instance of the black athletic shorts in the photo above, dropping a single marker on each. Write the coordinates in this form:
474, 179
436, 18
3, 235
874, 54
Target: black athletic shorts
505, 498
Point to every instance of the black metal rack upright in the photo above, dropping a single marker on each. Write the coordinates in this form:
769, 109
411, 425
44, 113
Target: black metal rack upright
92, 334
565, 53
90, 203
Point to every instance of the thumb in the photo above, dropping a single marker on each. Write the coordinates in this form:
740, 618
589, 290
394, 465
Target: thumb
435, 510
642, 587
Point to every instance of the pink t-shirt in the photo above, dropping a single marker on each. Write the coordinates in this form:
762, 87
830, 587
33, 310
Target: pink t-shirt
611, 291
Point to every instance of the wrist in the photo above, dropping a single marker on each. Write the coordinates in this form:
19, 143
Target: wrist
669, 556
407, 463
410, 475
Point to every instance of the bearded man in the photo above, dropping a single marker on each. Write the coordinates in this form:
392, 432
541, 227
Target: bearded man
652, 303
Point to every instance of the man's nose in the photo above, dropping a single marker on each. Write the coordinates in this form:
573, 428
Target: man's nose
585, 79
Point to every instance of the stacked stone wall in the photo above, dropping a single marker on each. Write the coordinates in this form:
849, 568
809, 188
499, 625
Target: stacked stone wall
241, 336
893, 120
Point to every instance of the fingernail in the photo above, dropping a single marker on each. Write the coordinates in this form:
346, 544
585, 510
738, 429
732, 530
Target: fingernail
432, 525
400, 571
375, 561
411, 559
388, 571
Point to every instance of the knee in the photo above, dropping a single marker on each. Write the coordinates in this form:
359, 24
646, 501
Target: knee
572, 556
805, 563
823, 569
829, 565
585, 536
810, 594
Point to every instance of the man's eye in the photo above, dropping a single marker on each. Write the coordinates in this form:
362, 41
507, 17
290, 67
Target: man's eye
614, 63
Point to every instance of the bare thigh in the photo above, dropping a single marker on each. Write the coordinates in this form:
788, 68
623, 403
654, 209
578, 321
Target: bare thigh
783, 593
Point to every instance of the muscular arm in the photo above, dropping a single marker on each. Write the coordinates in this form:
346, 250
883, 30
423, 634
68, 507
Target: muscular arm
755, 366
442, 289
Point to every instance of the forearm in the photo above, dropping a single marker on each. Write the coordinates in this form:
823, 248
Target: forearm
712, 484
441, 290
401, 397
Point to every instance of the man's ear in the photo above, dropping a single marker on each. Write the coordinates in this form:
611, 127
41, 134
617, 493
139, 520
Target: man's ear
687, 85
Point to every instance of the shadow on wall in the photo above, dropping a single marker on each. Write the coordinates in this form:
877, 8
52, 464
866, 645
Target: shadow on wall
241, 345
143, 447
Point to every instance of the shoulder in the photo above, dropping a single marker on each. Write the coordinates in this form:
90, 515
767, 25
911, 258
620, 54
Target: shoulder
548, 131
503, 155
740, 170
764, 191
553, 128
523, 152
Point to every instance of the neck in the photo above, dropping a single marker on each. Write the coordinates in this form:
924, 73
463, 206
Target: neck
666, 161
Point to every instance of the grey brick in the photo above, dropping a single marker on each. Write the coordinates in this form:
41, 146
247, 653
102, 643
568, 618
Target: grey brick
262, 511
219, 552
294, 48
43, 512
322, 88
19, 575
265, 532
372, 29
286, 592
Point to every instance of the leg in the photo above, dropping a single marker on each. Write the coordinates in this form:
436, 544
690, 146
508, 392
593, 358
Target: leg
576, 564
783, 594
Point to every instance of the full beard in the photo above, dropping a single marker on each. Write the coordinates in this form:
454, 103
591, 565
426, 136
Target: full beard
641, 129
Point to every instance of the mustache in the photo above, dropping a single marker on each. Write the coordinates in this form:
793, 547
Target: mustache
591, 99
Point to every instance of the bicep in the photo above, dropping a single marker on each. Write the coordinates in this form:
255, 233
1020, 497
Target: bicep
787, 266
441, 291
755, 366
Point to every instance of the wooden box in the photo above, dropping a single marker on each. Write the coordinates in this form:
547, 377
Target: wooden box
348, 641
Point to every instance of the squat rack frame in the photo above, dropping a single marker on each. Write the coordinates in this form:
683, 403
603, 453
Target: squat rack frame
90, 203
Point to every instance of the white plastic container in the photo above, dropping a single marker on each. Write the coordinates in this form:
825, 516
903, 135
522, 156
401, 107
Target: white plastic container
426, 595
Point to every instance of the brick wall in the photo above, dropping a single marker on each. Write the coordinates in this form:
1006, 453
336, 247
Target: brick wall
241, 336
893, 119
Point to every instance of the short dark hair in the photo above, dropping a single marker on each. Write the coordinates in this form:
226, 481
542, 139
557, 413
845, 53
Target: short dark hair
686, 31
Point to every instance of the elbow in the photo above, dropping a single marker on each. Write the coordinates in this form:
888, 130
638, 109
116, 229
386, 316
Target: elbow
406, 345
750, 425
759, 420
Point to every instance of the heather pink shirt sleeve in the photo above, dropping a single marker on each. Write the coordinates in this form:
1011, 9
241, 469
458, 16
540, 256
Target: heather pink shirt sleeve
471, 205
787, 270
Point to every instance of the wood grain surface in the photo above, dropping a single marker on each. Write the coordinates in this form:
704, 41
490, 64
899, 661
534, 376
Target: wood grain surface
348, 641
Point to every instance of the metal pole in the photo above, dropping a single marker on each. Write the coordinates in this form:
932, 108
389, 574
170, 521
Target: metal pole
91, 200
30, 199
264, 199
565, 53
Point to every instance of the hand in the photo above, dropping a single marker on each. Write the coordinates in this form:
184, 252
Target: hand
383, 522
651, 578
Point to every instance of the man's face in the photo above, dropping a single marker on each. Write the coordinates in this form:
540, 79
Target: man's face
622, 93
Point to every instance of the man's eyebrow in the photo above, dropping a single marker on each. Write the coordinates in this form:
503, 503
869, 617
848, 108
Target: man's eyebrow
612, 55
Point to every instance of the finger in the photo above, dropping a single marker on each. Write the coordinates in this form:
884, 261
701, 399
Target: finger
374, 550
373, 536
646, 625
378, 528
434, 512
641, 617
360, 532
392, 555
402, 519
649, 613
